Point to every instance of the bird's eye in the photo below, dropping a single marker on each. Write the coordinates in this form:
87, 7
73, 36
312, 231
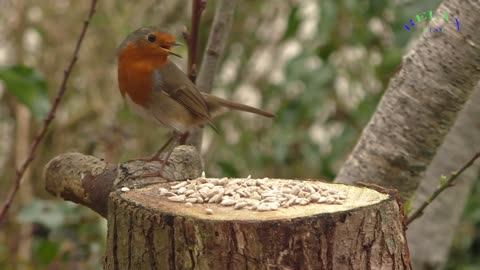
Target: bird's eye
151, 37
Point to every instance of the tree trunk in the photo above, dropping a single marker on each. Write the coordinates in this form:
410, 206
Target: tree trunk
420, 104
430, 237
147, 231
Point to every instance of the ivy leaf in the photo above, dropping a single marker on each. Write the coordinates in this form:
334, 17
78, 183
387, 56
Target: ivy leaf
29, 87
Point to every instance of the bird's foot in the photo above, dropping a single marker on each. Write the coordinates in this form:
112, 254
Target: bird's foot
155, 174
150, 159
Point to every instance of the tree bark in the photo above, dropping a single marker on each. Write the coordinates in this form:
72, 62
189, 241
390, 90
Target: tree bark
88, 180
430, 237
216, 44
420, 105
147, 231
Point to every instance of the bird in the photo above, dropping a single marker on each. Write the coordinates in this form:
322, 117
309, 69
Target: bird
157, 89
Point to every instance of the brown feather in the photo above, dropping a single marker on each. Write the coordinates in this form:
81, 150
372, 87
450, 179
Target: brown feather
216, 106
175, 83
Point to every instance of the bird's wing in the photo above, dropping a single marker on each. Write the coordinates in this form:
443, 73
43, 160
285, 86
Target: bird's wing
170, 80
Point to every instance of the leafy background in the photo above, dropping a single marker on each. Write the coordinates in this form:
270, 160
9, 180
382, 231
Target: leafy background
321, 66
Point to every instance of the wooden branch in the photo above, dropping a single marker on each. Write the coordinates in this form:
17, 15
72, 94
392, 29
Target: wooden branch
88, 180
420, 105
51, 114
220, 30
442, 187
197, 8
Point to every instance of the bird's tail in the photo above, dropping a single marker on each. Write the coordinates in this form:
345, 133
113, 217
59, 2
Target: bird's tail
216, 104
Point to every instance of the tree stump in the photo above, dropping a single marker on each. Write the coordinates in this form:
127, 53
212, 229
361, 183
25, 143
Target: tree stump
148, 231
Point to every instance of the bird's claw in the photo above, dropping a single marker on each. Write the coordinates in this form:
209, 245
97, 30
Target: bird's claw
150, 159
155, 174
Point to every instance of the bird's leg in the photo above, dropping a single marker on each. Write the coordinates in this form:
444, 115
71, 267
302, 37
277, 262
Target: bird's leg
183, 138
178, 139
168, 156
156, 157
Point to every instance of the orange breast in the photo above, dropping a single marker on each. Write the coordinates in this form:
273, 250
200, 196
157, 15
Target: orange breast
136, 82
135, 69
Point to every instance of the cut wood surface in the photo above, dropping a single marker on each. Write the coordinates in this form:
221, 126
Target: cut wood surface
147, 231
150, 198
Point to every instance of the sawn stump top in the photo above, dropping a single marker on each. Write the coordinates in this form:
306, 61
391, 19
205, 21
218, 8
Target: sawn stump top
150, 199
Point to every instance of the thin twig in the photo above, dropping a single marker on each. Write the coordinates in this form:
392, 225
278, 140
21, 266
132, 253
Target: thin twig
448, 183
51, 114
192, 38
221, 27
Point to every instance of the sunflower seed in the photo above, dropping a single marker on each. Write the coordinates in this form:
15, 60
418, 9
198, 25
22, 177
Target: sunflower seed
178, 198
254, 194
216, 198
315, 197
163, 191
191, 200
227, 202
263, 207
179, 185
240, 205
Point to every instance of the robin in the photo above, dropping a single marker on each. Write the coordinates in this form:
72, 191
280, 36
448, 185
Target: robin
157, 89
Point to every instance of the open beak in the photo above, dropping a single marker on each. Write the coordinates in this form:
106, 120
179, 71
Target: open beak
172, 53
176, 43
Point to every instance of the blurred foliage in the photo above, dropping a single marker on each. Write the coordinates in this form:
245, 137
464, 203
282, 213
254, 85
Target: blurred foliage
29, 87
320, 66
466, 245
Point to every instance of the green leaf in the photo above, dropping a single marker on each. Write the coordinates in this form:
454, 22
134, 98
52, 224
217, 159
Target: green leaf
29, 87
294, 21
328, 21
408, 204
443, 180
228, 169
46, 251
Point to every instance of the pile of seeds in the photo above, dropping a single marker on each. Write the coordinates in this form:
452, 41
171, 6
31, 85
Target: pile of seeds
253, 194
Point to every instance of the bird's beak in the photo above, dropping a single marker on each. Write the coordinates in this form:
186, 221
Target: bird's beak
172, 53
176, 43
